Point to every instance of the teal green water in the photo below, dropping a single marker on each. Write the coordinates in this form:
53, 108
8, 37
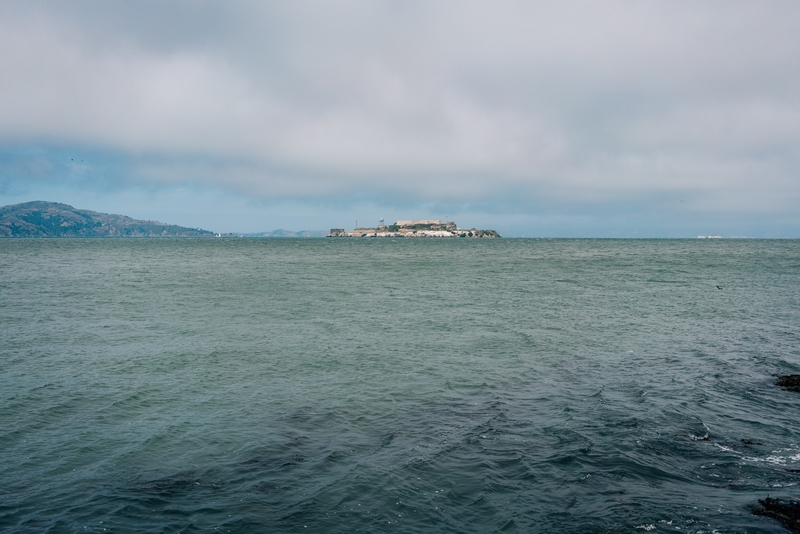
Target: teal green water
334, 385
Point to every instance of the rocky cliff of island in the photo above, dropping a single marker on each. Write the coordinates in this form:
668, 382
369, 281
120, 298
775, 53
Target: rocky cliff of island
415, 228
51, 219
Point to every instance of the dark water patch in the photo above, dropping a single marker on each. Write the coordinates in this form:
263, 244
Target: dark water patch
163, 490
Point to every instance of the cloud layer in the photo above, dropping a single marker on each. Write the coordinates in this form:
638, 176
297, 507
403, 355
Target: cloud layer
508, 103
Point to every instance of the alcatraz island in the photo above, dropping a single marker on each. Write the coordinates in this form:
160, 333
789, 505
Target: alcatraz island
415, 228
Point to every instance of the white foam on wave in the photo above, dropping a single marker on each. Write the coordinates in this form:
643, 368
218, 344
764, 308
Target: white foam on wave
726, 449
779, 457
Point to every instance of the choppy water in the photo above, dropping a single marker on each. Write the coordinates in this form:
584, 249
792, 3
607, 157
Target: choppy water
333, 385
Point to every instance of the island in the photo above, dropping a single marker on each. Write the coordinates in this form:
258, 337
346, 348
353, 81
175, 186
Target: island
52, 219
415, 228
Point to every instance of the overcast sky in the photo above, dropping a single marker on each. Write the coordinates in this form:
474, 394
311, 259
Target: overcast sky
612, 118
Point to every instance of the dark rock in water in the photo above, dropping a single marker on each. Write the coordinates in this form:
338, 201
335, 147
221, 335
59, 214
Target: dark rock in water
787, 513
790, 382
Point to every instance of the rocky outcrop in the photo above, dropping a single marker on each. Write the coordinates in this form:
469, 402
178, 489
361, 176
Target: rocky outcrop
787, 512
790, 382
51, 219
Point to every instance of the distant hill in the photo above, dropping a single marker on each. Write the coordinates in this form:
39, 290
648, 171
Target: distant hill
51, 219
288, 233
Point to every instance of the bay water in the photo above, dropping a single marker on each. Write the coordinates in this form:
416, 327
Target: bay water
397, 385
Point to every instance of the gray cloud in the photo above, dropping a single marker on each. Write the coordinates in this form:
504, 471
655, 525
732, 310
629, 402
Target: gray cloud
439, 101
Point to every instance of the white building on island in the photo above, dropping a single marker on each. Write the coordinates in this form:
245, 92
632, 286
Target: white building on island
415, 222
